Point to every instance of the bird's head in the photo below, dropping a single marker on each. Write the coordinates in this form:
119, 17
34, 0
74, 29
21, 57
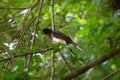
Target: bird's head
46, 31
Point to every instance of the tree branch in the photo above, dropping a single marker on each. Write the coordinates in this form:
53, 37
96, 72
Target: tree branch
37, 22
111, 74
14, 8
35, 29
25, 19
91, 65
52, 14
22, 55
28, 13
52, 54
65, 61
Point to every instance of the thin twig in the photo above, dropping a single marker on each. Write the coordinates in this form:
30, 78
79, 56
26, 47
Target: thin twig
53, 28
66, 62
6, 8
91, 65
25, 18
27, 27
5, 70
62, 11
52, 14
7, 31
27, 14
111, 75
22, 55
37, 22
28, 58
35, 30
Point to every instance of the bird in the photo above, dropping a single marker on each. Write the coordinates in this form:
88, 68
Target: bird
59, 37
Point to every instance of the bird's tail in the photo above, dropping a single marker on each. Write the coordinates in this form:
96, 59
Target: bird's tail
77, 46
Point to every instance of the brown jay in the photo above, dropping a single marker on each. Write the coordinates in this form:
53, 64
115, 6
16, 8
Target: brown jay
58, 37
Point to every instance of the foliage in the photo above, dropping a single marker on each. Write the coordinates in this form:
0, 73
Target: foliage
95, 28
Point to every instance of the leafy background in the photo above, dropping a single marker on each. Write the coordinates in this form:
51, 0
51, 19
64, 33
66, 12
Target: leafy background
92, 24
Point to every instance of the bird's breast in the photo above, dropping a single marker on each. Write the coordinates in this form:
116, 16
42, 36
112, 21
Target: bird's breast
57, 40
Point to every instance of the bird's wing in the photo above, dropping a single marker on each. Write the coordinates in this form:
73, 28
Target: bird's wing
62, 36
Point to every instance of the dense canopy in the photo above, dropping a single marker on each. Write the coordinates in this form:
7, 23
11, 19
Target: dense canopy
27, 54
